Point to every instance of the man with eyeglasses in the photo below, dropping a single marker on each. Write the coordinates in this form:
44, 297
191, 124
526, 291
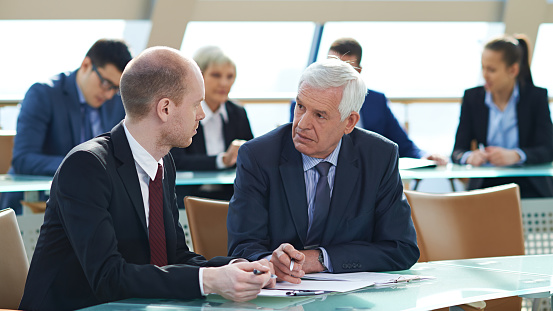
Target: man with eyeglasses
70, 108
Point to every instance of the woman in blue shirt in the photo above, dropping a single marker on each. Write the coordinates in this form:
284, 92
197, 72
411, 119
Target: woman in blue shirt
507, 121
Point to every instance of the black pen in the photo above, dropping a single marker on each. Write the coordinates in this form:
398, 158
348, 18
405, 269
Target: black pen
257, 272
305, 292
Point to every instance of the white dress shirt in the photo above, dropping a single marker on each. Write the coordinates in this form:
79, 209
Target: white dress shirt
146, 168
214, 137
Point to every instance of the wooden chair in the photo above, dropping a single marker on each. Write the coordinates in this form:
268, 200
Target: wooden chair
14, 264
478, 223
6, 147
207, 220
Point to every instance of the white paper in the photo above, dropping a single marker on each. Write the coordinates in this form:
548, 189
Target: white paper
373, 277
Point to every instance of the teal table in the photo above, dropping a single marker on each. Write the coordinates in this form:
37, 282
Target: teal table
467, 171
36, 183
456, 282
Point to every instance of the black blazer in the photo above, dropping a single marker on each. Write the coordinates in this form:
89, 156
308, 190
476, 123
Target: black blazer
195, 158
369, 225
93, 246
535, 130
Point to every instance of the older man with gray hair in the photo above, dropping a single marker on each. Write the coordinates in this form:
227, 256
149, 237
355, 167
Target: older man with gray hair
320, 194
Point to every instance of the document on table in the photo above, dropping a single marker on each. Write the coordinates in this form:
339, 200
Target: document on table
324, 283
410, 163
374, 277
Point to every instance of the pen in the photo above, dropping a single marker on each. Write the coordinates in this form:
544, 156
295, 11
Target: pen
257, 272
481, 147
291, 264
305, 292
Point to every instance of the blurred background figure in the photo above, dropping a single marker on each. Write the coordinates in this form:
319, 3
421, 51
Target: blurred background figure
222, 131
375, 113
507, 121
70, 108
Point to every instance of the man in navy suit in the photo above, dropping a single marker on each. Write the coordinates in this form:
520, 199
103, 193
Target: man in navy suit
111, 228
375, 114
278, 208
69, 109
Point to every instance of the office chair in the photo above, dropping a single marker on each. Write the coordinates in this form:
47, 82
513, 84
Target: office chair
6, 147
14, 264
207, 220
471, 224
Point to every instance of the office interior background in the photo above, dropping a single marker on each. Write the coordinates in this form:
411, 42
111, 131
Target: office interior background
421, 54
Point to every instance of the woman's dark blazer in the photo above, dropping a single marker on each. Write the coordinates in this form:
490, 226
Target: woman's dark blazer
535, 130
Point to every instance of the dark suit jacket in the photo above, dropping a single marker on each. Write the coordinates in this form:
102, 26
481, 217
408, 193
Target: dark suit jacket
369, 226
377, 117
93, 245
535, 131
49, 125
195, 158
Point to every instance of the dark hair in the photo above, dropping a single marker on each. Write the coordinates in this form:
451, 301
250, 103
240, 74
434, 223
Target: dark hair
347, 46
147, 79
515, 51
110, 51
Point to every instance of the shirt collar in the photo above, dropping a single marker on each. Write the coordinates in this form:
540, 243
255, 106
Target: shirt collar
310, 162
513, 100
82, 100
142, 157
209, 114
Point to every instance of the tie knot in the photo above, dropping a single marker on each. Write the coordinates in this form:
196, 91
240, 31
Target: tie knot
323, 168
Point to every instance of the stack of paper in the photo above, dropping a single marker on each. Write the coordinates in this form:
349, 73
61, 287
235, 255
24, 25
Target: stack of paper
323, 283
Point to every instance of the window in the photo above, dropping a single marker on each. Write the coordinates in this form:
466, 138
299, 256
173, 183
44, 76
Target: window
542, 63
269, 56
34, 50
417, 59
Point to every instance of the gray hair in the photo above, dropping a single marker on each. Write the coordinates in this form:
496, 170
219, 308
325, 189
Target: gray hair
333, 72
210, 55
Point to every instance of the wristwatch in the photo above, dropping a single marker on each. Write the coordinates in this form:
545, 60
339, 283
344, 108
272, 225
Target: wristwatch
322, 260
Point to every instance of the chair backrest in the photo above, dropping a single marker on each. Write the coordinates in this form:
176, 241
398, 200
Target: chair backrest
207, 220
471, 224
14, 264
6, 147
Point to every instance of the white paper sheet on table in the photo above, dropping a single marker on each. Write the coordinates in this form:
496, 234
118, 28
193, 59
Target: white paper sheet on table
373, 277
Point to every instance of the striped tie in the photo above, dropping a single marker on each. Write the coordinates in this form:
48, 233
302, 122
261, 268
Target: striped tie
158, 247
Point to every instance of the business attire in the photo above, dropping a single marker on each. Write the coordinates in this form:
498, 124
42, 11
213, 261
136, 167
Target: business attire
369, 226
235, 125
49, 125
533, 128
376, 116
94, 247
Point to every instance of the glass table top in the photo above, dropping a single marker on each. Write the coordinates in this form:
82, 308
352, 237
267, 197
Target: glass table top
454, 284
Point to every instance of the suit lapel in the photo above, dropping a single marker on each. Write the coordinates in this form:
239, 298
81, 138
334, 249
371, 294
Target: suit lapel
127, 170
345, 179
73, 107
482, 118
523, 117
291, 172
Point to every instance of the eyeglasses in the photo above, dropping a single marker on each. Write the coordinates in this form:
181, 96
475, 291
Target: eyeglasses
105, 83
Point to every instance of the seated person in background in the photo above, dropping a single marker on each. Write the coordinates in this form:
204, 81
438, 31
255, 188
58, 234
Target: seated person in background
321, 191
111, 229
71, 108
220, 134
506, 121
375, 114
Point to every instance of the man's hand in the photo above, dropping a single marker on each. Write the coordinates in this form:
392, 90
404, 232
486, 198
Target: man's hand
237, 281
502, 157
312, 264
477, 158
282, 259
230, 156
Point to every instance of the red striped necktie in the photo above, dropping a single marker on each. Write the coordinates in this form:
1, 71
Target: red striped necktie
156, 228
